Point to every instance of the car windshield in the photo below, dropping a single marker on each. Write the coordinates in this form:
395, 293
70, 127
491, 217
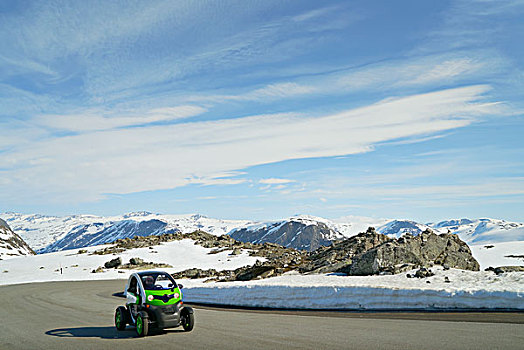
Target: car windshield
157, 281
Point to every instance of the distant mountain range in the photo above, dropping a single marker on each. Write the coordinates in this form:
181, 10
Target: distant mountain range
51, 233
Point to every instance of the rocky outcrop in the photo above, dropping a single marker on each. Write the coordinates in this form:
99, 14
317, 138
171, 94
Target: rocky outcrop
372, 253
11, 245
341, 253
426, 249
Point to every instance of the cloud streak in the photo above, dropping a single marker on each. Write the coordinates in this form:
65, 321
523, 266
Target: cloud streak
94, 121
392, 75
275, 181
90, 165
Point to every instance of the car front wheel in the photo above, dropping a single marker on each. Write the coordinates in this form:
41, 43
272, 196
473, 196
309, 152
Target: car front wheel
142, 324
188, 320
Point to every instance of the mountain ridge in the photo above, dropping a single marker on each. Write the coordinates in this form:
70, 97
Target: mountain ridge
306, 232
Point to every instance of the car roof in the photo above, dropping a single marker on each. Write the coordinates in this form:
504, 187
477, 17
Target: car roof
143, 273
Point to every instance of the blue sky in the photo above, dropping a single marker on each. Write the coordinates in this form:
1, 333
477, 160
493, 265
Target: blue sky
263, 109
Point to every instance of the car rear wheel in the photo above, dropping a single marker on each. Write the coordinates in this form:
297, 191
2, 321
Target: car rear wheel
121, 318
142, 324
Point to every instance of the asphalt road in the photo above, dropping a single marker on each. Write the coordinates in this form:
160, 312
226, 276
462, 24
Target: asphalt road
79, 315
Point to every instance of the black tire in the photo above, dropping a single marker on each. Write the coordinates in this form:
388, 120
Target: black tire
188, 320
142, 324
121, 319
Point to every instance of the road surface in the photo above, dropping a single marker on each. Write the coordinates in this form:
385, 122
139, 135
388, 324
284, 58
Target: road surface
79, 315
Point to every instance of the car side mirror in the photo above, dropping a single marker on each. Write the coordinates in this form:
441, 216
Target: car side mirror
180, 286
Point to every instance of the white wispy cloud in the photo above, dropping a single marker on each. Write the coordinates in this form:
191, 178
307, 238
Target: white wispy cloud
267, 93
89, 165
123, 50
391, 75
509, 186
275, 181
95, 121
469, 23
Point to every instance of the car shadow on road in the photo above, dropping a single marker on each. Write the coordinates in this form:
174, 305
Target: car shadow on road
92, 332
167, 331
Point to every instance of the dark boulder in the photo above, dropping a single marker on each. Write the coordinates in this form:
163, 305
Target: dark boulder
423, 273
136, 261
113, 263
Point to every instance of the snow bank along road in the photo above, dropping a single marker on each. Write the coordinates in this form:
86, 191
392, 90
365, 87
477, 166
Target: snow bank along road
79, 315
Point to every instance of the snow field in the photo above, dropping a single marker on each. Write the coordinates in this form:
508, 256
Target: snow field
497, 255
181, 255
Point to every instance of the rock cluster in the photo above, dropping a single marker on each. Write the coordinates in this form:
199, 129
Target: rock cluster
421, 273
134, 263
503, 269
143, 265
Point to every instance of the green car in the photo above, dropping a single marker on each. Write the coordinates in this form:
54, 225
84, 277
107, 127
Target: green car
154, 300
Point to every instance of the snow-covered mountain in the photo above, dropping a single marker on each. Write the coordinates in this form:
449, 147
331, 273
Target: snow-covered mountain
397, 228
299, 232
11, 245
483, 230
40, 230
309, 232
51, 233
473, 232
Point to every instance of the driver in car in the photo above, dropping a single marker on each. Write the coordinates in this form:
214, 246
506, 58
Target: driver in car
149, 282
